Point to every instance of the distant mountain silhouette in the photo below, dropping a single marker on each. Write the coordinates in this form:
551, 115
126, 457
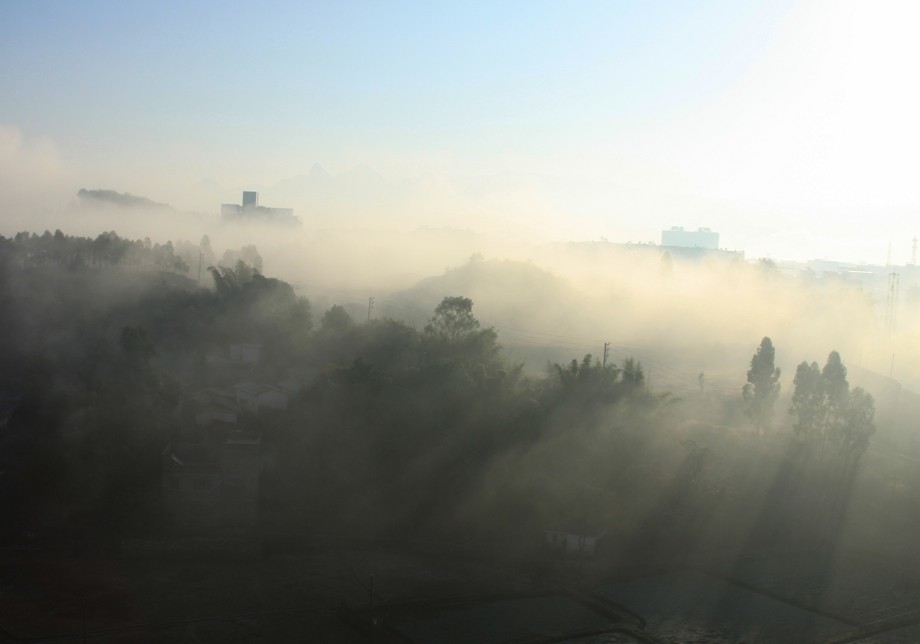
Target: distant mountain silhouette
120, 199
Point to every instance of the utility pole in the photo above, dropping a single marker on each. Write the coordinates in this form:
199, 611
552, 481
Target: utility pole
891, 313
370, 307
606, 346
199, 268
913, 252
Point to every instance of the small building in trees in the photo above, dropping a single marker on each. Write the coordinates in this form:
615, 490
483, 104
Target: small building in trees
212, 406
207, 486
245, 354
253, 396
217, 412
290, 386
573, 542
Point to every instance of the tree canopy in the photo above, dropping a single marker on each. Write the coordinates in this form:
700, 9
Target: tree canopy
453, 319
826, 410
763, 386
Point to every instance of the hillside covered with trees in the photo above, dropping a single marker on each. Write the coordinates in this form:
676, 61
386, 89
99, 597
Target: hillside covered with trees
399, 432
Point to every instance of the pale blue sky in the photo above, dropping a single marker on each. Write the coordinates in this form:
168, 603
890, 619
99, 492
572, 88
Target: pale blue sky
389, 73
771, 120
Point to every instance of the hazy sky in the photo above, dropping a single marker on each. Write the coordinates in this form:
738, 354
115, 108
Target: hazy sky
789, 126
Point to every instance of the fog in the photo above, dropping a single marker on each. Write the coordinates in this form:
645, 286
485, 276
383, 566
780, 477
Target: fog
442, 381
548, 297
445, 390
588, 292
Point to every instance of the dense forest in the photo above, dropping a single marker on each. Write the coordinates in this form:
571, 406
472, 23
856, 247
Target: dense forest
394, 431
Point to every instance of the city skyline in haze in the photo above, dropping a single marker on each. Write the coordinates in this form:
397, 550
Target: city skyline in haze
787, 126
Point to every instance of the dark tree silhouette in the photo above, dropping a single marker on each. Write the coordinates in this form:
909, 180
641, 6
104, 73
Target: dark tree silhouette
762, 387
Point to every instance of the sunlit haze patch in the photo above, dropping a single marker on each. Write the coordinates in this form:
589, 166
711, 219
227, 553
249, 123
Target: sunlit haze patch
789, 127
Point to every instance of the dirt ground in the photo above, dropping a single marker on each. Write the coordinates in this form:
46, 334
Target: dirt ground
52, 596
55, 597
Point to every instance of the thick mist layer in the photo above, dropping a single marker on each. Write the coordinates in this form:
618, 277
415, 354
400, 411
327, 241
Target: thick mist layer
636, 297
163, 397
350, 322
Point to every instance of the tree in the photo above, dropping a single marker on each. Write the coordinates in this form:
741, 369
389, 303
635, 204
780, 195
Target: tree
232, 281
591, 381
336, 319
633, 375
858, 426
453, 342
825, 407
453, 319
808, 401
137, 347
207, 253
247, 254
590, 376
762, 387
836, 391
835, 397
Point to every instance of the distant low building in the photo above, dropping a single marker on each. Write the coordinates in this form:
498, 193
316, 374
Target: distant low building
696, 245
253, 396
236, 356
212, 405
245, 353
680, 238
207, 486
251, 211
572, 542
291, 386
